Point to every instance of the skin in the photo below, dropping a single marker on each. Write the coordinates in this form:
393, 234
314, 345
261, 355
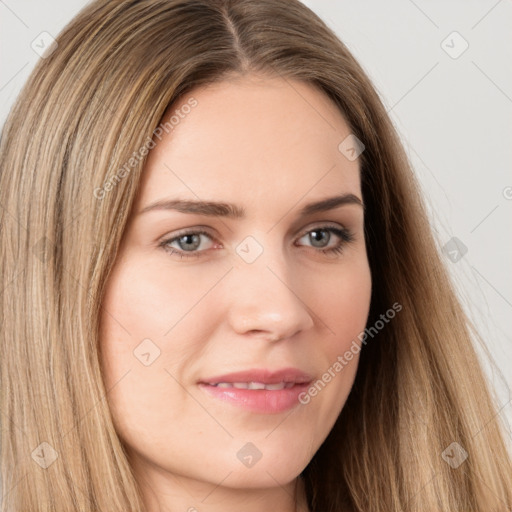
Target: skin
270, 146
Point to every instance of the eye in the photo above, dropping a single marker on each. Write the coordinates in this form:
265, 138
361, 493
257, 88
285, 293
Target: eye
321, 236
189, 242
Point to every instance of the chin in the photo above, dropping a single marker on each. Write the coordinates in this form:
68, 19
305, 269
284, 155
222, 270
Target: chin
262, 476
276, 465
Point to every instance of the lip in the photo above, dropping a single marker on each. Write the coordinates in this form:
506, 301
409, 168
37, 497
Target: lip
263, 375
261, 401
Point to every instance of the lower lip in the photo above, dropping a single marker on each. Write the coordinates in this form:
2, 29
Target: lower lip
258, 400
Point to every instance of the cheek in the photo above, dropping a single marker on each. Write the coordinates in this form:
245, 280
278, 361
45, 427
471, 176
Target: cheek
151, 298
149, 302
345, 308
148, 332
343, 304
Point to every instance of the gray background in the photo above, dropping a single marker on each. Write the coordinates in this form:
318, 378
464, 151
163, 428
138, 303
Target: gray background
452, 109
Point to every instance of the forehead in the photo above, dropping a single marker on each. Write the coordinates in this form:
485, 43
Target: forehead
256, 139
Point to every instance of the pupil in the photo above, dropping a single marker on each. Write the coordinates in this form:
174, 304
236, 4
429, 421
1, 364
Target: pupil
317, 235
185, 238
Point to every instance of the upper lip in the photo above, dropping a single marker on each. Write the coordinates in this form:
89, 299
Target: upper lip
263, 375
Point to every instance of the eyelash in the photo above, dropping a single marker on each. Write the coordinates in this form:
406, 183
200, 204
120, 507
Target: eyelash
344, 234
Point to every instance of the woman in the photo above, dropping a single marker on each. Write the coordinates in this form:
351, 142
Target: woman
307, 352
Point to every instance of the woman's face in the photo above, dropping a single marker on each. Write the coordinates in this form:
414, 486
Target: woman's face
265, 286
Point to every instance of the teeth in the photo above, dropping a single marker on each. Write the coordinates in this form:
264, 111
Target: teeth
280, 385
255, 385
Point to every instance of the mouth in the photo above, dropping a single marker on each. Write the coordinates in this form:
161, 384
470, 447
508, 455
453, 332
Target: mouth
254, 385
261, 391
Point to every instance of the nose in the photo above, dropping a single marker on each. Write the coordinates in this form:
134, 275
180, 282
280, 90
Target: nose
267, 300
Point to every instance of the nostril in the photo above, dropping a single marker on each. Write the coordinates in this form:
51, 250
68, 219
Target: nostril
270, 337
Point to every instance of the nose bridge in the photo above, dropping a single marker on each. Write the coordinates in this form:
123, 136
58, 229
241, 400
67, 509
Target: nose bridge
264, 295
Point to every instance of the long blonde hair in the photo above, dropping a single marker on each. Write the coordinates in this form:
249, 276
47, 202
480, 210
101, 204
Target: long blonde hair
84, 111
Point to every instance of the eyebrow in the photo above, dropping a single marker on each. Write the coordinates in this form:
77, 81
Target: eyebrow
220, 209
